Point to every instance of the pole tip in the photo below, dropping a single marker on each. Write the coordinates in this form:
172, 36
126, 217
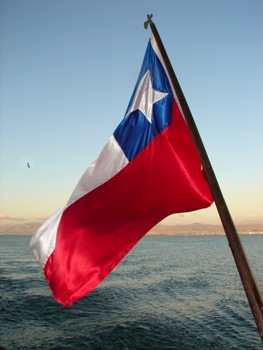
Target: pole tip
149, 20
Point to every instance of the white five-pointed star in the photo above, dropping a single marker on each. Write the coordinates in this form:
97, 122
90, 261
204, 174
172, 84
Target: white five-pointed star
146, 96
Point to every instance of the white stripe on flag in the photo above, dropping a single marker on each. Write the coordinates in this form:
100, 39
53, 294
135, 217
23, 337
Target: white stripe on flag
110, 161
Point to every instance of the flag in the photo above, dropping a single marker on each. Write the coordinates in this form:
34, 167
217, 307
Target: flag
148, 170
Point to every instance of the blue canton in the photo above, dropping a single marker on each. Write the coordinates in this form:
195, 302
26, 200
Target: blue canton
135, 131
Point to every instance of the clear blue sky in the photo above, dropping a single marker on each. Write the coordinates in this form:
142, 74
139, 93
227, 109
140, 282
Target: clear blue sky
68, 69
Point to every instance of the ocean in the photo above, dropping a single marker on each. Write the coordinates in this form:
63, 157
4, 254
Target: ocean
181, 292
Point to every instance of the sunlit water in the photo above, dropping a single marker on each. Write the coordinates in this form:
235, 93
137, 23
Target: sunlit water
168, 293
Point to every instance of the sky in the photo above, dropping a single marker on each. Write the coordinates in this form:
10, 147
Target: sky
68, 69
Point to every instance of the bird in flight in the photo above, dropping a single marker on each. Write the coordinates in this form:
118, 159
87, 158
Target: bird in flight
28, 165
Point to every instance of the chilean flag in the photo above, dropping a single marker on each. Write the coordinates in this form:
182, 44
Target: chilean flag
148, 169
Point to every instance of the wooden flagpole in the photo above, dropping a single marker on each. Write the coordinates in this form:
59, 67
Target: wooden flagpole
251, 288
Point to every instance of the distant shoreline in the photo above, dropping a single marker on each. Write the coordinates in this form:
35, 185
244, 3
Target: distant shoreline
195, 229
202, 234
165, 231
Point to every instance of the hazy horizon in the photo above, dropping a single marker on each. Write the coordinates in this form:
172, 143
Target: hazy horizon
22, 226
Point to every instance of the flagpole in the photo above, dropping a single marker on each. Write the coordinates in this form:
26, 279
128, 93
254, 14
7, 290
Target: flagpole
251, 288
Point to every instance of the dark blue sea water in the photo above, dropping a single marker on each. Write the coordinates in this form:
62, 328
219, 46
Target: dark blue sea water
168, 293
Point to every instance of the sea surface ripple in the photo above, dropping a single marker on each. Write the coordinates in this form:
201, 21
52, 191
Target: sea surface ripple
168, 293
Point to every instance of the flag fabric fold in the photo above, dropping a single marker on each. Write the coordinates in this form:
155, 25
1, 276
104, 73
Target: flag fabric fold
148, 170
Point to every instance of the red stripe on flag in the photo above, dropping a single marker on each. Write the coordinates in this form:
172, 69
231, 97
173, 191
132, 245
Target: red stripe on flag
99, 229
